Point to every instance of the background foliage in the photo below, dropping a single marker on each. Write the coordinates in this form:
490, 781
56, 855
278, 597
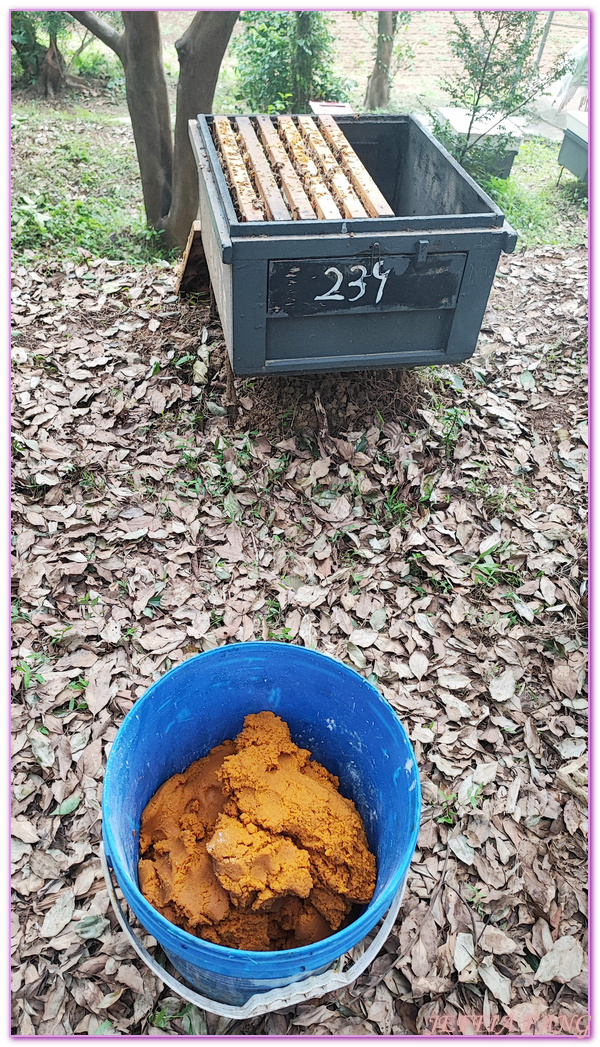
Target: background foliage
496, 77
285, 58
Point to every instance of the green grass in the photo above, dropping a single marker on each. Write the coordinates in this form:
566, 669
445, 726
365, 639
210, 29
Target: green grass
541, 211
225, 99
394, 508
76, 187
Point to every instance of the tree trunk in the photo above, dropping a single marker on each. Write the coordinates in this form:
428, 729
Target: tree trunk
169, 175
303, 62
148, 104
140, 49
52, 76
200, 50
378, 87
526, 39
538, 59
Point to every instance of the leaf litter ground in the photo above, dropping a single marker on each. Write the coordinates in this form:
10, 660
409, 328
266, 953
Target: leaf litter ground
426, 527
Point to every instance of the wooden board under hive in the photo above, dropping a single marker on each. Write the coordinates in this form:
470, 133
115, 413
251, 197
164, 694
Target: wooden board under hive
295, 169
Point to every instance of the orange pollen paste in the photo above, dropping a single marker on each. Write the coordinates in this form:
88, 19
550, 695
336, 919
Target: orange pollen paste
253, 847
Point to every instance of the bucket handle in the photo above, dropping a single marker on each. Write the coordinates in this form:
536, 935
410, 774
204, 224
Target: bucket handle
260, 1003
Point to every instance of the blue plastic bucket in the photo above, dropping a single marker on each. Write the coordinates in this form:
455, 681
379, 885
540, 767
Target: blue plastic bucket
332, 711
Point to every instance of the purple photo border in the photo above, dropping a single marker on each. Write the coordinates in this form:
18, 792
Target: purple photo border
592, 372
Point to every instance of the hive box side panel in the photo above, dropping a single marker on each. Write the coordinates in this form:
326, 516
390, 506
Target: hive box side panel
249, 316
220, 274
318, 312
413, 171
215, 240
352, 341
476, 285
574, 155
431, 182
380, 145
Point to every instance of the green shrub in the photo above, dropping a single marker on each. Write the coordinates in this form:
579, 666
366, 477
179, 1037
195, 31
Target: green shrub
16, 68
30, 34
495, 77
92, 62
481, 159
26, 50
284, 59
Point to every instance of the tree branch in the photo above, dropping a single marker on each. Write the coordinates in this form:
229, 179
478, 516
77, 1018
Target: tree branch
101, 29
482, 84
87, 39
539, 88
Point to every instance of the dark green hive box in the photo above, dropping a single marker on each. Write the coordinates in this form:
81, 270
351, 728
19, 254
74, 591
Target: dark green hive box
438, 254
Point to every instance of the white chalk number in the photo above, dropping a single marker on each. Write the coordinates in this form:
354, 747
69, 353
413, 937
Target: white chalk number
338, 277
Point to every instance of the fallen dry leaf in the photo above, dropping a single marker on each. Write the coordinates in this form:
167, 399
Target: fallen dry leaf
59, 915
562, 963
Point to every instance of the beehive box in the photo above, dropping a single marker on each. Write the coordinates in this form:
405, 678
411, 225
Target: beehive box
574, 148
340, 244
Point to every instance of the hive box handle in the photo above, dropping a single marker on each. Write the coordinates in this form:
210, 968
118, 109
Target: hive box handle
509, 238
421, 253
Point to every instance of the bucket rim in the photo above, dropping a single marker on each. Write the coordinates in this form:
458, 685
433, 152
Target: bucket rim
170, 933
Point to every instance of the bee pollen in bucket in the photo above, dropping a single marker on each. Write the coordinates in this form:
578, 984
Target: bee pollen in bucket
253, 847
